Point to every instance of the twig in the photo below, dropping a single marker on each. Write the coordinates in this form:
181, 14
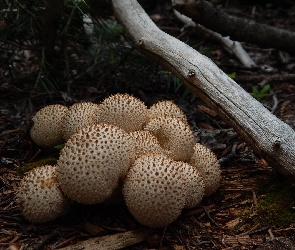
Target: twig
241, 29
43, 241
275, 102
255, 231
233, 46
254, 198
210, 218
115, 241
34, 156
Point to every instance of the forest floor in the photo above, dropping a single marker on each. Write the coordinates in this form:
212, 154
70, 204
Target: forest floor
254, 208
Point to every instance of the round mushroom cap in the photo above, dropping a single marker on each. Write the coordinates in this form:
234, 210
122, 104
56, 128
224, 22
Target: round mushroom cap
79, 115
39, 196
124, 111
205, 161
46, 130
145, 143
166, 108
92, 161
174, 136
196, 186
155, 190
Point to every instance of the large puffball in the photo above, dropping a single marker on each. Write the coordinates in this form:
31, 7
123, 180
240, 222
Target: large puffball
47, 128
155, 190
79, 115
166, 108
206, 162
92, 162
174, 136
124, 111
39, 196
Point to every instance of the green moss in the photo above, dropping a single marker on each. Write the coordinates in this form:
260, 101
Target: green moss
47, 161
276, 205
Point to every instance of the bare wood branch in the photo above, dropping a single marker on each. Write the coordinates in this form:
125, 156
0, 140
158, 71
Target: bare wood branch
232, 46
271, 138
110, 242
214, 18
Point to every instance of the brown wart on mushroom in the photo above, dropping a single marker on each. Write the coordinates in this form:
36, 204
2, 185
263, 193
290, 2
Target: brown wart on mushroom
39, 196
174, 136
47, 128
155, 190
79, 114
168, 108
145, 143
92, 162
205, 161
124, 111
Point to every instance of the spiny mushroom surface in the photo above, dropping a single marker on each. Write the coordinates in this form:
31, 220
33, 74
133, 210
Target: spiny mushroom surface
166, 108
174, 136
155, 190
205, 161
39, 196
47, 128
79, 114
145, 143
124, 111
92, 162
196, 186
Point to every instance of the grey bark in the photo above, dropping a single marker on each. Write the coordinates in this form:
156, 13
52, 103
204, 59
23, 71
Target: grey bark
243, 30
271, 138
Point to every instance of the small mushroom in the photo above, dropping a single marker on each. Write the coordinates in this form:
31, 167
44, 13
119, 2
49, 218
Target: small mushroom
168, 108
47, 128
155, 190
93, 161
145, 143
39, 196
79, 114
205, 161
124, 111
174, 136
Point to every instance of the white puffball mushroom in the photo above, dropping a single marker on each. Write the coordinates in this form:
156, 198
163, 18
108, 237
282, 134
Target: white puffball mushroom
155, 190
166, 108
93, 161
174, 136
47, 128
145, 143
206, 162
39, 196
124, 111
78, 115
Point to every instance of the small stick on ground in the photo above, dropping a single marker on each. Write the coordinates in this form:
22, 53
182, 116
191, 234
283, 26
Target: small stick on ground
111, 242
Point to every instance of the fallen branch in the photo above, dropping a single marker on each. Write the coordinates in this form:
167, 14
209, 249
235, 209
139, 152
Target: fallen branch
271, 138
232, 46
110, 242
214, 18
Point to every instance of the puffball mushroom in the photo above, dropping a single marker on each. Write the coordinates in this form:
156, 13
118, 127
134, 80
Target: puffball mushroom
46, 130
174, 136
145, 143
166, 108
92, 162
196, 185
78, 115
205, 161
39, 196
124, 111
155, 190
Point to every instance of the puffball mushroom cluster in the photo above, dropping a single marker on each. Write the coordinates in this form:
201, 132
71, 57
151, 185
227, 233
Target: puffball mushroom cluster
120, 144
